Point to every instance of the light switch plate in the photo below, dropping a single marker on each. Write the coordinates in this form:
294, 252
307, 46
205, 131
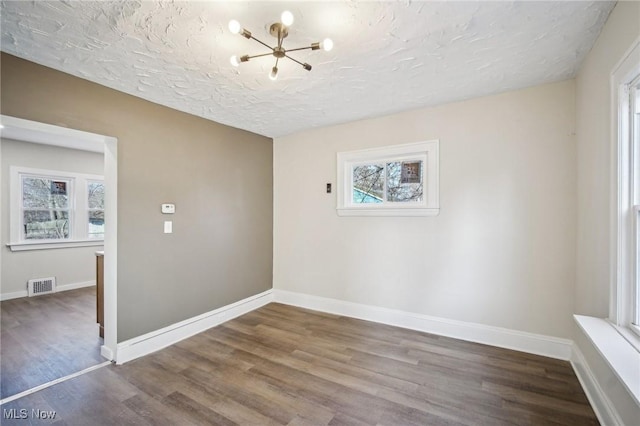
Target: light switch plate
168, 208
168, 227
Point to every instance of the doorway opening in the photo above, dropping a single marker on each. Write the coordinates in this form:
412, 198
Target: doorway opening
81, 301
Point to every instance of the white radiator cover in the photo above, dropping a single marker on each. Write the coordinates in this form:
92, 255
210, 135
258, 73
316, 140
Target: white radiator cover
39, 286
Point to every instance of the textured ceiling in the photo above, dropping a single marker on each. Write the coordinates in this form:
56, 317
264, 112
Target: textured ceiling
388, 56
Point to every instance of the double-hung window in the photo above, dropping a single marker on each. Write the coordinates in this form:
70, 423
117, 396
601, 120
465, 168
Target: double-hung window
51, 209
625, 296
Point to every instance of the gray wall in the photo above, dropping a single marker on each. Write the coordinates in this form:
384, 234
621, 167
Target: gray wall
220, 179
70, 265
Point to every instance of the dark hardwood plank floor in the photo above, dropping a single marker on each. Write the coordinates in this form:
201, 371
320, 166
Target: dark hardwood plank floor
47, 337
281, 365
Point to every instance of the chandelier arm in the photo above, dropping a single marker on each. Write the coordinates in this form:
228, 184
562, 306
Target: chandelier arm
261, 55
299, 48
294, 60
262, 43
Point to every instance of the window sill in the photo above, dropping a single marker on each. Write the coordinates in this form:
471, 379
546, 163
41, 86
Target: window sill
355, 211
619, 351
39, 245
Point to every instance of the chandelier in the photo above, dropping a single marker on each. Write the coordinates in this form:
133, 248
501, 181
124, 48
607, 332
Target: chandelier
279, 30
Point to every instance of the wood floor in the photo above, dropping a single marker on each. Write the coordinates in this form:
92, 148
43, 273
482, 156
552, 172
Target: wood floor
47, 337
290, 366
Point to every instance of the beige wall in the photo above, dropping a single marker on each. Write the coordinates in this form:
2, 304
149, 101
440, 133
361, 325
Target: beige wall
69, 266
502, 250
219, 178
593, 130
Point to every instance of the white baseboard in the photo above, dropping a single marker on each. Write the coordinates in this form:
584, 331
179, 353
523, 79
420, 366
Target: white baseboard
65, 287
74, 286
538, 344
598, 399
106, 353
158, 339
13, 295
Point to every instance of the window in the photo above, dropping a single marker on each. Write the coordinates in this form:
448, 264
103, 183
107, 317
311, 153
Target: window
55, 209
95, 210
400, 180
45, 207
625, 295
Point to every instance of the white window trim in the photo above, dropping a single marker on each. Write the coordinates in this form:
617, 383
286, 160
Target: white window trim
78, 236
633, 319
427, 151
623, 245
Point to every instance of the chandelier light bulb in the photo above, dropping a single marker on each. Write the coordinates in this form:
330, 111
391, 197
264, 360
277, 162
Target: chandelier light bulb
234, 61
327, 44
286, 18
234, 26
273, 75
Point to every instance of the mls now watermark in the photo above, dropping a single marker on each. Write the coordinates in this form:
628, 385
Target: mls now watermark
23, 414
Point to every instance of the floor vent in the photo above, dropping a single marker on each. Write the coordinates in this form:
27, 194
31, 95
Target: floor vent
39, 286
